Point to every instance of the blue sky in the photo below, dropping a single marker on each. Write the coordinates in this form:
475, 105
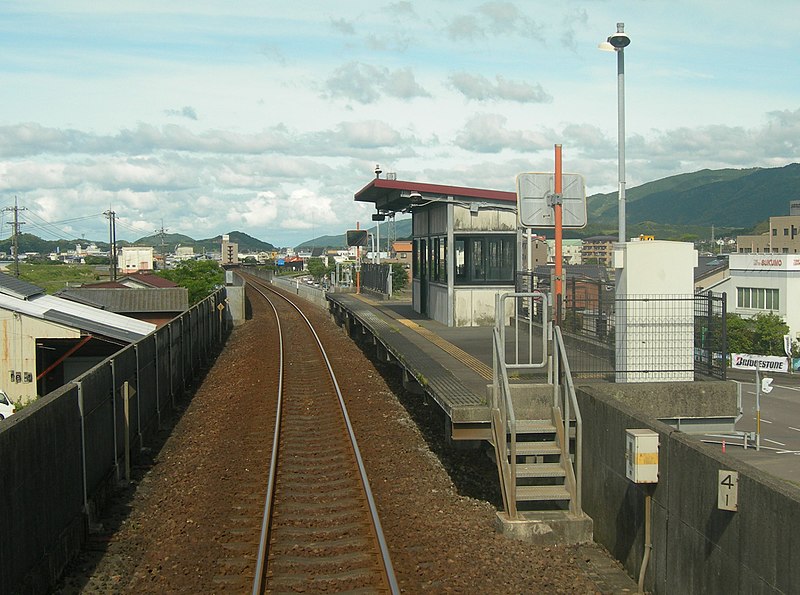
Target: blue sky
266, 116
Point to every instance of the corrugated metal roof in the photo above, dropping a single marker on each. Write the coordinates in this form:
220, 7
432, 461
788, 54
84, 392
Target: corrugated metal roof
91, 326
17, 287
168, 299
79, 316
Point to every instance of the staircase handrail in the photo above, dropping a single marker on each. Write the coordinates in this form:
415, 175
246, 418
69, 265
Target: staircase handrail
504, 422
567, 400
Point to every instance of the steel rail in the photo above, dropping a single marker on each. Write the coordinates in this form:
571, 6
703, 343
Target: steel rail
266, 524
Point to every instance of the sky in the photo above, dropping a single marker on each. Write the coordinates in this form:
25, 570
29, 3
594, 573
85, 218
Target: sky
267, 116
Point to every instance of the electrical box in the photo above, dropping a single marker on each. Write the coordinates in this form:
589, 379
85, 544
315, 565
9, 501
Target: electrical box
641, 455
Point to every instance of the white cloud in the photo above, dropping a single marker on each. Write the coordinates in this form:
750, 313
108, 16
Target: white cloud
487, 133
366, 83
480, 88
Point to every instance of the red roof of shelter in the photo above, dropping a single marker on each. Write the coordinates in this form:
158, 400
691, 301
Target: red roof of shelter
393, 195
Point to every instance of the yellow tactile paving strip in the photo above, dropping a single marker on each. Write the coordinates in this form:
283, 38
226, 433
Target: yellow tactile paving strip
469, 360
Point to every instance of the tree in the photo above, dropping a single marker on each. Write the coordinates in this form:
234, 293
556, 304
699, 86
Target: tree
740, 334
317, 269
200, 277
759, 335
768, 334
399, 276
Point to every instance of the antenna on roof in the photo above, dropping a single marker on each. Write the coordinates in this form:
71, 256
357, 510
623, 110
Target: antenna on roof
378, 171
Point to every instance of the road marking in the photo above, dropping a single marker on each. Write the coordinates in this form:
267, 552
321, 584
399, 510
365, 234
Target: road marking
788, 387
795, 429
787, 452
763, 421
774, 442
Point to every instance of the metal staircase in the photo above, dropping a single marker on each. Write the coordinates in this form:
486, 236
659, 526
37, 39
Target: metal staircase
536, 426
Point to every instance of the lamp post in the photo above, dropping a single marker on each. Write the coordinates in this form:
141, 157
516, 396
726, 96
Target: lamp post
617, 43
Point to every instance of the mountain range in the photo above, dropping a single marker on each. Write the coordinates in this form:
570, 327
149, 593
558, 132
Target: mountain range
681, 207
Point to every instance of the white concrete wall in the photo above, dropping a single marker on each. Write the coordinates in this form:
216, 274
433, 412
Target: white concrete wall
474, 306
655, 335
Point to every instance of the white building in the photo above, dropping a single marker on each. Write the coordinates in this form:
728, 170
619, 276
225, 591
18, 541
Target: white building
763, 283
184, 253
136, 258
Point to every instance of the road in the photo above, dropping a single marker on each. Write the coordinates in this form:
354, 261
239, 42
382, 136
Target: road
779, 454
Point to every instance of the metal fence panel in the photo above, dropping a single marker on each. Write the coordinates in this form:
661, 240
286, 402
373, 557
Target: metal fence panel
654, 348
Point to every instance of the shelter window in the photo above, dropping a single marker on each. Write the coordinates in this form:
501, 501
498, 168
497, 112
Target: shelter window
437, 259
415, 259
484, 259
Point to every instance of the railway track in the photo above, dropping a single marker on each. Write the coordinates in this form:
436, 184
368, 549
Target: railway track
320, 530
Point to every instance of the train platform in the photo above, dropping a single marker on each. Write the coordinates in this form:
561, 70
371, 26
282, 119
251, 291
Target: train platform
451, 365
454, 367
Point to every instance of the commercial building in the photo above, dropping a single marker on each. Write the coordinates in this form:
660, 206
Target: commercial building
764, 283
783, 238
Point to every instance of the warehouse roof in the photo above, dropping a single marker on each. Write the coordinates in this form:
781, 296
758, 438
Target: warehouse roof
121, 300
30, 300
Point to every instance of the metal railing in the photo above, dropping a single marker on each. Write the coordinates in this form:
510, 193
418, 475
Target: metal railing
567, 403
376, 277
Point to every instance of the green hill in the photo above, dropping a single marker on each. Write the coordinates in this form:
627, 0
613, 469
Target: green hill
730, 198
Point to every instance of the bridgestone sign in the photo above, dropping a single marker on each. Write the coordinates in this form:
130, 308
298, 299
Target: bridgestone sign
771, 363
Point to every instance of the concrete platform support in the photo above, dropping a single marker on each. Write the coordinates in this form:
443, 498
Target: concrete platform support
547, 528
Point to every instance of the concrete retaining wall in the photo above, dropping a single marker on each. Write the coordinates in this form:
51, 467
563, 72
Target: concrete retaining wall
305, 291
63, 452
697, 548
236, 300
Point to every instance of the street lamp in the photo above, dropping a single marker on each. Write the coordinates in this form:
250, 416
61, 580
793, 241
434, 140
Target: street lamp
617, 43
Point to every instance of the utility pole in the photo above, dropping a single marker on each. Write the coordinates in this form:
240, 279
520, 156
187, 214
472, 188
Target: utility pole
112, 241
162, 232
15, 237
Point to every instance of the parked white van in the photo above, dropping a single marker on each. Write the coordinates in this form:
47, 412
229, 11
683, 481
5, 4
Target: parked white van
6, 406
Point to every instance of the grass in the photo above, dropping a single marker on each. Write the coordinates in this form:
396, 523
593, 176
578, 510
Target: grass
53, 277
